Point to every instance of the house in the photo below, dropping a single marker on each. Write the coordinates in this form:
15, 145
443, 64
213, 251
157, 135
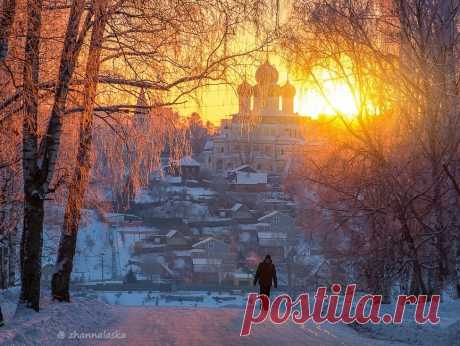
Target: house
153, 267
118, 219
273, 243
211, 226
160, 242
206, 155
212, 246
128, 233
186, 167
242, 279
176, 240
181, 262
246, 179
247, 233
240, 213
212, 261
280, 222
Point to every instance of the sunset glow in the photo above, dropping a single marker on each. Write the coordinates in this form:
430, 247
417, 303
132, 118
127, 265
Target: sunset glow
323, 93
336, 98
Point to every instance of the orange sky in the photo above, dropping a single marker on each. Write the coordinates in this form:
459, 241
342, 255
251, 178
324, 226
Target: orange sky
217, 102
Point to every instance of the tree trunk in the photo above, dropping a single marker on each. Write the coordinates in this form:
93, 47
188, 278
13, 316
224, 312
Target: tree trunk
31, 251
69, 56
12, 257
457, 267
31, 243
66, 252
6, 22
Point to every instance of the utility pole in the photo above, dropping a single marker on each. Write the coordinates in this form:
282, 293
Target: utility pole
102, 266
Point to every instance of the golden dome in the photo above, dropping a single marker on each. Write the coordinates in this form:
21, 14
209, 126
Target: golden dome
245, 89
288, 90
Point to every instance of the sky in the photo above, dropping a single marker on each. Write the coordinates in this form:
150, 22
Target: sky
217, 102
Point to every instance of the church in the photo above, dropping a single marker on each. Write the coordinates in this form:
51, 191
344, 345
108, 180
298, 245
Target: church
265, 133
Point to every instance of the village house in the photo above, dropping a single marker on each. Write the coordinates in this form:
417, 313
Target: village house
280, 222
187, 168
246, 179
212, 261
161, 242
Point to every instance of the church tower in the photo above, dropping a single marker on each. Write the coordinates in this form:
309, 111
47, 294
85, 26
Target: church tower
287, 94
266, 92
244, 96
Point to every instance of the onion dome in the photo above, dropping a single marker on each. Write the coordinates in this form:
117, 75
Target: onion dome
266, 74
288, 90
274, 90
245, 89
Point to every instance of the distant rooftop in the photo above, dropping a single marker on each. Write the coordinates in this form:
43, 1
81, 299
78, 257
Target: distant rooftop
268, 215
188, 161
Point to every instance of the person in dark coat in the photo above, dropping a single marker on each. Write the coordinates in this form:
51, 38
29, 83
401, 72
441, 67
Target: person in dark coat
265, 274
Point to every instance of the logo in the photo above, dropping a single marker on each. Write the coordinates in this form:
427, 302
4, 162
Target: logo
326, 308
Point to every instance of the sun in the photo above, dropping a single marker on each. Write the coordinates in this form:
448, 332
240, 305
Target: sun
326, 94
333, 98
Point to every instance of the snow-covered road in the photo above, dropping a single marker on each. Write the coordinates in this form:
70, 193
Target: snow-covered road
201, 327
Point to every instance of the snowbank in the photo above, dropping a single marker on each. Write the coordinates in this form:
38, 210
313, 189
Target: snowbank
55, 322
409, 332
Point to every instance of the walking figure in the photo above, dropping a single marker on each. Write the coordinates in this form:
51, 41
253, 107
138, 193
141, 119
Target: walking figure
265, 274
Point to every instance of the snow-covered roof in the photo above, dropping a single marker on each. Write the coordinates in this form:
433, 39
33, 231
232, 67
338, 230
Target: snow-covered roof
242, 275
250, 178
189, 161
244, 168
137, 230
203, 241
271, 235
209, 145
147, 245
165, 267
173, 180
269, 215
206, 261
182, 253
248, 227
236, 207
171, 233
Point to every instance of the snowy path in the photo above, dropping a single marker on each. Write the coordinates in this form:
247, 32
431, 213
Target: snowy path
201, 327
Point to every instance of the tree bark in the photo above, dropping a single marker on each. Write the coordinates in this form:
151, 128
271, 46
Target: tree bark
12, 257
69, 56
31, 243
67, 245
6, 23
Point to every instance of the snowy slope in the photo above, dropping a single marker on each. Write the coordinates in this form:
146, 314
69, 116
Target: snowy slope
53, 321
89, 318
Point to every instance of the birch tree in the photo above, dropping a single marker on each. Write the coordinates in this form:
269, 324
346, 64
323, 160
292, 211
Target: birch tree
79, 182
39, 158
